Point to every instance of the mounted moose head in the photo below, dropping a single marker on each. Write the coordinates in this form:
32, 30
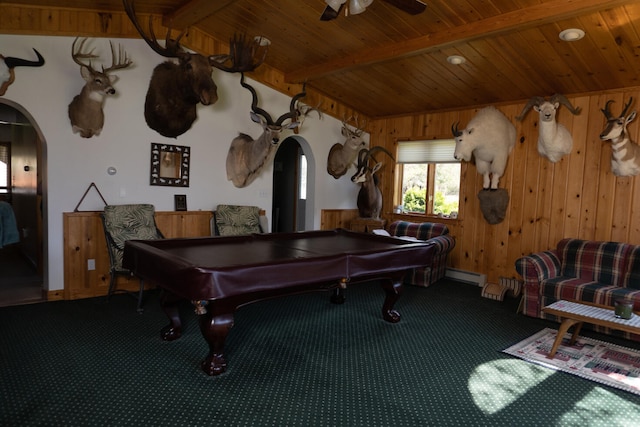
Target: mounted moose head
85, 110
176, 89
7, 64
247, 156
369, 197
342, 156
625, 154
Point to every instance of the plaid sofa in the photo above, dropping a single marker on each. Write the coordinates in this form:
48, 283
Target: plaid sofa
436, 233
581, 270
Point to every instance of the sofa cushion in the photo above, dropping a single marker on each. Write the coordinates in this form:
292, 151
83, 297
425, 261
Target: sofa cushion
421, 231
632, 278
602, 262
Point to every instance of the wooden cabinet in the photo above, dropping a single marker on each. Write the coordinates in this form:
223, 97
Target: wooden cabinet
84, 241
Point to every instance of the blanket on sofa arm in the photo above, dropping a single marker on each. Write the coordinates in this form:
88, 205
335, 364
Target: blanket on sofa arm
433, 232
580, 270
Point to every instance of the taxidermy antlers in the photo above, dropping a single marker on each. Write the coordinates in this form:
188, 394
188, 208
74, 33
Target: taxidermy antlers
342, 156
247, 156
85, 111
176, 89
625, 154
7, 64
554, 140
369, 197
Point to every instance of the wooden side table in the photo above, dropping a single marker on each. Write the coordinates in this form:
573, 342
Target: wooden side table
367, 225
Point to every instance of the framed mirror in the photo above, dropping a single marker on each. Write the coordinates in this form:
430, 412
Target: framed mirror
170, 165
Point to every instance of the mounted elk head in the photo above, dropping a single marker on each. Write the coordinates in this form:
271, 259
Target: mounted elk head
625, 154
342, 156
369, 197
85, 110
7, 64
176, 89
247, 156
554, 140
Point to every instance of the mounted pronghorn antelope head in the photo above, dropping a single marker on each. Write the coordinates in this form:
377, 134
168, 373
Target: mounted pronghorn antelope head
247, 156
342, 156
7, 64
625, 154
85, 110
176, 89
369, 197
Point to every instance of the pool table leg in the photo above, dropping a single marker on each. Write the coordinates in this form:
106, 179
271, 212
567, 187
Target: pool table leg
393, 289
170, 305
215, 329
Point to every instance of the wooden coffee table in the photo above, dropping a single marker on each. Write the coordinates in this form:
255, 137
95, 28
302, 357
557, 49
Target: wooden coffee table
575, 313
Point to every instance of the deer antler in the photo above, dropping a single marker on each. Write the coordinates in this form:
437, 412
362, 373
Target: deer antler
243, 56
254, 101
77, 55
123, 60
293, 111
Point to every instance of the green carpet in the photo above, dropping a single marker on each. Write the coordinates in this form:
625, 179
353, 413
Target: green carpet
296, 361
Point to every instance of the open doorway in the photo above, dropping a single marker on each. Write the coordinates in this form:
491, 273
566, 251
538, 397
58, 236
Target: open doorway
293, 186
22, 250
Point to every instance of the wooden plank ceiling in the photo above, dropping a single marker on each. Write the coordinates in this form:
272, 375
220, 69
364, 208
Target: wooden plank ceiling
385, 62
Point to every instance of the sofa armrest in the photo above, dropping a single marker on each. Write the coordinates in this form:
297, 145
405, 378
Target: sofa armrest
443, 244
536, 267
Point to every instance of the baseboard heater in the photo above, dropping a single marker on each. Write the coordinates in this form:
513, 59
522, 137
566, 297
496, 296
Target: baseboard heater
466, 276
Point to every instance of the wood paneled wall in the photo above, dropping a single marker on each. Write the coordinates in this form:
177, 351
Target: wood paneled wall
575, 197
84, 240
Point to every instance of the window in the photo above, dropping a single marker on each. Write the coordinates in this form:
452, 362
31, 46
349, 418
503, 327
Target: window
428, 177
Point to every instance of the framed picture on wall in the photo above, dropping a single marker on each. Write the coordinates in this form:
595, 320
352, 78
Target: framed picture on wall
170, 165
180, 202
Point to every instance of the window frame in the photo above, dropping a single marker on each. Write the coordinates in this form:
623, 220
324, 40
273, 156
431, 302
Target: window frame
430, 178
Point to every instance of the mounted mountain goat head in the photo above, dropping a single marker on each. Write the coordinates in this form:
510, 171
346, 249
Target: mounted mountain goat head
369, 197
247, 156
7, 64
176, 89
554, 140
489, 137
342, 156
85, 110
625, 154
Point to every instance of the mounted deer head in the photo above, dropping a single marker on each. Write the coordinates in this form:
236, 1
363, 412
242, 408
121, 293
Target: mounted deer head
342, 156
176, 89
369, 197
7, 64
247, 156
85, 110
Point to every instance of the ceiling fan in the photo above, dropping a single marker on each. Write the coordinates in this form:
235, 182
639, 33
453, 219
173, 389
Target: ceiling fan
354, 7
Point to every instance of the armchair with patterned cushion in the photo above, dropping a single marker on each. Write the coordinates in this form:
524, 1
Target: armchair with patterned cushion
236, 220
122, 223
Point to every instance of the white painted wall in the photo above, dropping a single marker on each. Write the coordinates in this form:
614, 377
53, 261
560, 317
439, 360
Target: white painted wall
73, 163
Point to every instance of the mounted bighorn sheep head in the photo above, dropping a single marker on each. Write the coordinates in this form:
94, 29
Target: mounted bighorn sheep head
176, 89
247, 156
369, 197
554, 140
85, 111
625, 153
342, 156
7, 64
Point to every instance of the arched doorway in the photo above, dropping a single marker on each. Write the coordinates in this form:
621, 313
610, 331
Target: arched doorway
23, 264
293, 186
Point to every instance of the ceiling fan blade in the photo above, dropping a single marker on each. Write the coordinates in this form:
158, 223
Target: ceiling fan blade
330, 14
412, 7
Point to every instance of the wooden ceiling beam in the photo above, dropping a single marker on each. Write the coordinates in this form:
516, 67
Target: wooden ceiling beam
193, 12
518, 19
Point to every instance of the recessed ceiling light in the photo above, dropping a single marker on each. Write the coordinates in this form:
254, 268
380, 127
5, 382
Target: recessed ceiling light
456, 59
571, 34
262, 41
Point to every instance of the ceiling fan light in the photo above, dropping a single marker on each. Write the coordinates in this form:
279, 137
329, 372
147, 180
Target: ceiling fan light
456, 59
358, 6
335, 4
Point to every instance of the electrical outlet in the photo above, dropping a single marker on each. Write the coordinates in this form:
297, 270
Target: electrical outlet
91, 264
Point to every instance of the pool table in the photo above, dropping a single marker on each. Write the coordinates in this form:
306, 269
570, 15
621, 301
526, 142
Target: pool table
220, 274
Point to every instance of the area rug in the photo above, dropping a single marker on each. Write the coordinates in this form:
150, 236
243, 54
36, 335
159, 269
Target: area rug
598, 361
